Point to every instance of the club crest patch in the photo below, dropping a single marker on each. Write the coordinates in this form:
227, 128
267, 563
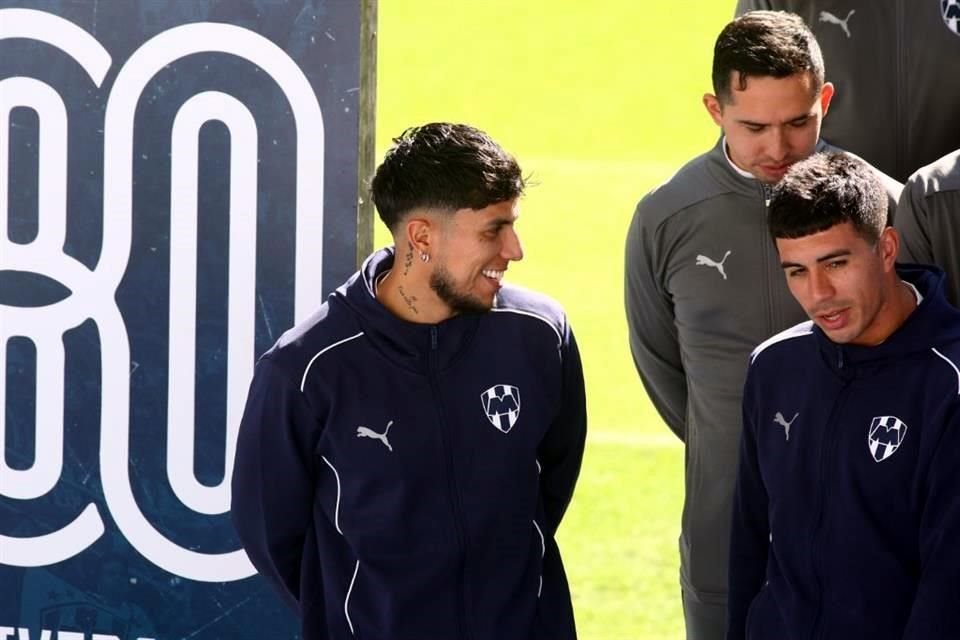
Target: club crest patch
950, 10
501, 404
886, 435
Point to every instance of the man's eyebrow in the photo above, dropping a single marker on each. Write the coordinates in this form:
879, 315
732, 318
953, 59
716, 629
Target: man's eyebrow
834, 254
752, 123
786, 264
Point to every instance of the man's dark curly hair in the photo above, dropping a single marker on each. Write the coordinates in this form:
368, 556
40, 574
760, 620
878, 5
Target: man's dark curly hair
773, 44
443, 166
824, 190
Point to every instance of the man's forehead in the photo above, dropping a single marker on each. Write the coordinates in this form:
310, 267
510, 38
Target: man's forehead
743, 87
505, 211
840, 239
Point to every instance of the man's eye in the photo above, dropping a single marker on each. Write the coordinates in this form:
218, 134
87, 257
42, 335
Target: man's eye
798, 124
795, 273
836, 264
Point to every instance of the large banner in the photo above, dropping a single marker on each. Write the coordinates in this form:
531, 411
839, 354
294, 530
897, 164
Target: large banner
178, 186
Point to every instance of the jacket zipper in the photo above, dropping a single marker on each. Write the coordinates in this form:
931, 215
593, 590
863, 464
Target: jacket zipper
772, 326
453, 490
830, 437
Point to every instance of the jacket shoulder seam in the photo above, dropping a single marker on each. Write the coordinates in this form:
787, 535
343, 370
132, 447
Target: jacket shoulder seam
534, 315
952, 364
796, 331
306, 370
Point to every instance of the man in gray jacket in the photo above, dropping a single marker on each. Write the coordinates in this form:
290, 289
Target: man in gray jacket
894, 63
703, 283
928, 219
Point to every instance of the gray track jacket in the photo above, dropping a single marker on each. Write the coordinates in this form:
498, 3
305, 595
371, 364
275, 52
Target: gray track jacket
703, 287
894, 63
928, 219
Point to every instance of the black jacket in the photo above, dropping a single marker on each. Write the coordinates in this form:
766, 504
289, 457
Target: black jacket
405, 481
846, 516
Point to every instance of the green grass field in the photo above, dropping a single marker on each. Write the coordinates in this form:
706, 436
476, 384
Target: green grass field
599, 101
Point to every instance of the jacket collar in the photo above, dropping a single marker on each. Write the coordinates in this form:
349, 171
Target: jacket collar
734, 179
414, 346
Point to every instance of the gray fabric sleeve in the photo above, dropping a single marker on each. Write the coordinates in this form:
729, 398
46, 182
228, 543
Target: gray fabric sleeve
744, 6
915, 245
653, 333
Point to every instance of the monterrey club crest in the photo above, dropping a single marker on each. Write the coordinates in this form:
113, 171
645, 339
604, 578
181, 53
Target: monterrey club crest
950, 10
886, 434
501, 403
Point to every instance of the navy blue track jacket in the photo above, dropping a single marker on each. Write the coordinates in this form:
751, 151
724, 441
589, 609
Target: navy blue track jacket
846, 519
405, 481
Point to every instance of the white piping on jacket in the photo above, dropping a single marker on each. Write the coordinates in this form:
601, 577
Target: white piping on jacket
949, 362
303, 381
336, 512
543, 553
346, 601
532, 315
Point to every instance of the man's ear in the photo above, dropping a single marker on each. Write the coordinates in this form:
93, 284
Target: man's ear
419, 232
888, 244
714, 108
826, 96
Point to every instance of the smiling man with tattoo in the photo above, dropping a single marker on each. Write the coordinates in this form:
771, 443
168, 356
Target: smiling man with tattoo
407, 454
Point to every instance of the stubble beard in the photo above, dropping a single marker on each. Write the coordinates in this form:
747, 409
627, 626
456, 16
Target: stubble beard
442, 284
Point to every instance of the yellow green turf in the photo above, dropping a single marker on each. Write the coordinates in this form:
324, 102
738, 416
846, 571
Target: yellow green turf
599, 101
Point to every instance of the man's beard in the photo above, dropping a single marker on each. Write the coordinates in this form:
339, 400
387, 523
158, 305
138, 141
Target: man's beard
459, 302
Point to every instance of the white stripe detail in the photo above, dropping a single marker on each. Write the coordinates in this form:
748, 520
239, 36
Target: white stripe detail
336, 513
543, 553
950, 362
346, 601
916, 292
303, 381
539, 468
797, 330
532, 315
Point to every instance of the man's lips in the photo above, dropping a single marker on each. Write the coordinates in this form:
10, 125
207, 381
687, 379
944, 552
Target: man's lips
776, 168
833, 319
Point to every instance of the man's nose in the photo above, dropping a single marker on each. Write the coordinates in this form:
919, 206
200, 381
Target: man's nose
821, 288
779, 147
511, 249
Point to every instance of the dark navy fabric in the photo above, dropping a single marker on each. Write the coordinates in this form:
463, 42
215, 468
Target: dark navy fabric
444, 527
846, 523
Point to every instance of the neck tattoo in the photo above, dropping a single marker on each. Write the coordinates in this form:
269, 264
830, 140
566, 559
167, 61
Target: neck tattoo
410, 300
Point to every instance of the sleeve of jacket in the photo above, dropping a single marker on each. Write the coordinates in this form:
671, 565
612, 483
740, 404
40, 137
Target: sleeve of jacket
744, 6
911, 223
650, 323
273, 478
935, 613
750, 529
561, 451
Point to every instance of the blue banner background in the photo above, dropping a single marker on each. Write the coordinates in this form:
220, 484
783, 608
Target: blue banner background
110, 588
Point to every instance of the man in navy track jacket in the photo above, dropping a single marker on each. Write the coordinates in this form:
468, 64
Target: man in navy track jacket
846, 517
406, 455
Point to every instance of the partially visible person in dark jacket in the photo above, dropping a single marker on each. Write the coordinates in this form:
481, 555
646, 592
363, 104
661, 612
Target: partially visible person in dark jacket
894, 64
847, 508
407, 454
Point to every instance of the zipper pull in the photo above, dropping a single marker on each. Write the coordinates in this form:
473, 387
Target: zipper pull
433, 338
767, 192
840, 357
